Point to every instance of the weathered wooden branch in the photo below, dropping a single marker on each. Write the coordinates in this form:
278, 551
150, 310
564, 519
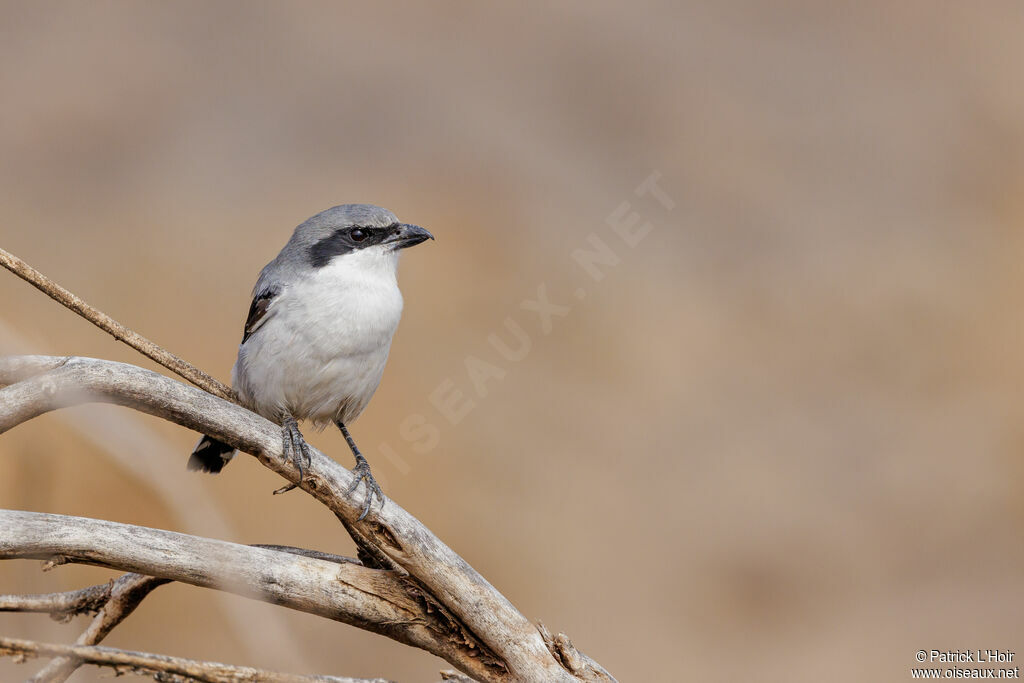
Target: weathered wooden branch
161, 667
485, 635
373, 599
125, 594
60, 606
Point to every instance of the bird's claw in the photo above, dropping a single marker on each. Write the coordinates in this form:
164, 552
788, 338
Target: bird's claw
363, 475
296, 449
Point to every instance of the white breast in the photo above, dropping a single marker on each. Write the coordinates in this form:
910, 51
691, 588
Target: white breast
321, 353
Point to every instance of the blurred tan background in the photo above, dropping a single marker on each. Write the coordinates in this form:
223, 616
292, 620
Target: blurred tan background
781, 440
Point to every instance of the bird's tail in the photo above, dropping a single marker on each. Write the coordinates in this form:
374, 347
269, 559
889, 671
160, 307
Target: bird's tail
210, 455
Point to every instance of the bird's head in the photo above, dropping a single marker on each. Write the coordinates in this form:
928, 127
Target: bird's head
354, 228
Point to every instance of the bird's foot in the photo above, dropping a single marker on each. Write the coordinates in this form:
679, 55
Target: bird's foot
295, 447
363, 475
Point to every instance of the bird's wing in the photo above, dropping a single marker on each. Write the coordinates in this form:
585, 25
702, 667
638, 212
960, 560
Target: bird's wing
258, 312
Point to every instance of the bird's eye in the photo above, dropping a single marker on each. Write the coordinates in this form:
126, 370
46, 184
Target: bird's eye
358, 235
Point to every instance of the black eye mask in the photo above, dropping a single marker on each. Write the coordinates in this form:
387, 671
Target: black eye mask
342, 241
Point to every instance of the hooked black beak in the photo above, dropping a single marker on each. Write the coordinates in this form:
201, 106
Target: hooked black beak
407, 235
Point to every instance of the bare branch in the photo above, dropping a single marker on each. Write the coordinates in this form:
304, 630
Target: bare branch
60, 606
162, 667
483, 626
114, 328
125, 595
372, 599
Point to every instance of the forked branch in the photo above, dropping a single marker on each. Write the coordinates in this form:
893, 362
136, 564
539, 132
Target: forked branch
373, 599
122, 597
473, 626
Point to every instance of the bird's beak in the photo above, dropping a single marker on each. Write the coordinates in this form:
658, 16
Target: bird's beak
407, 235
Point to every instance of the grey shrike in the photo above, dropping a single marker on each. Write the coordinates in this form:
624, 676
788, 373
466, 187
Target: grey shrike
319, 329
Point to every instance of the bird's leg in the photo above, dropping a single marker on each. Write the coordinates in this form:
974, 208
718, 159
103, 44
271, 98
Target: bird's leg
362, 472
294, 447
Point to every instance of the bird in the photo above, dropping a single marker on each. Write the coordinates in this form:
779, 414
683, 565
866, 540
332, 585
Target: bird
319, 331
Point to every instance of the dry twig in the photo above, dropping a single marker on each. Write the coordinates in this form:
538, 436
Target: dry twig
125, 594
162, 667
117, 330
60, 606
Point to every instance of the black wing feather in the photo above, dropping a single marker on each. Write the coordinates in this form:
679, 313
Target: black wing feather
257, 311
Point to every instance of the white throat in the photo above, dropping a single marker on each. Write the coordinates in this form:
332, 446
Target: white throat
376, 261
